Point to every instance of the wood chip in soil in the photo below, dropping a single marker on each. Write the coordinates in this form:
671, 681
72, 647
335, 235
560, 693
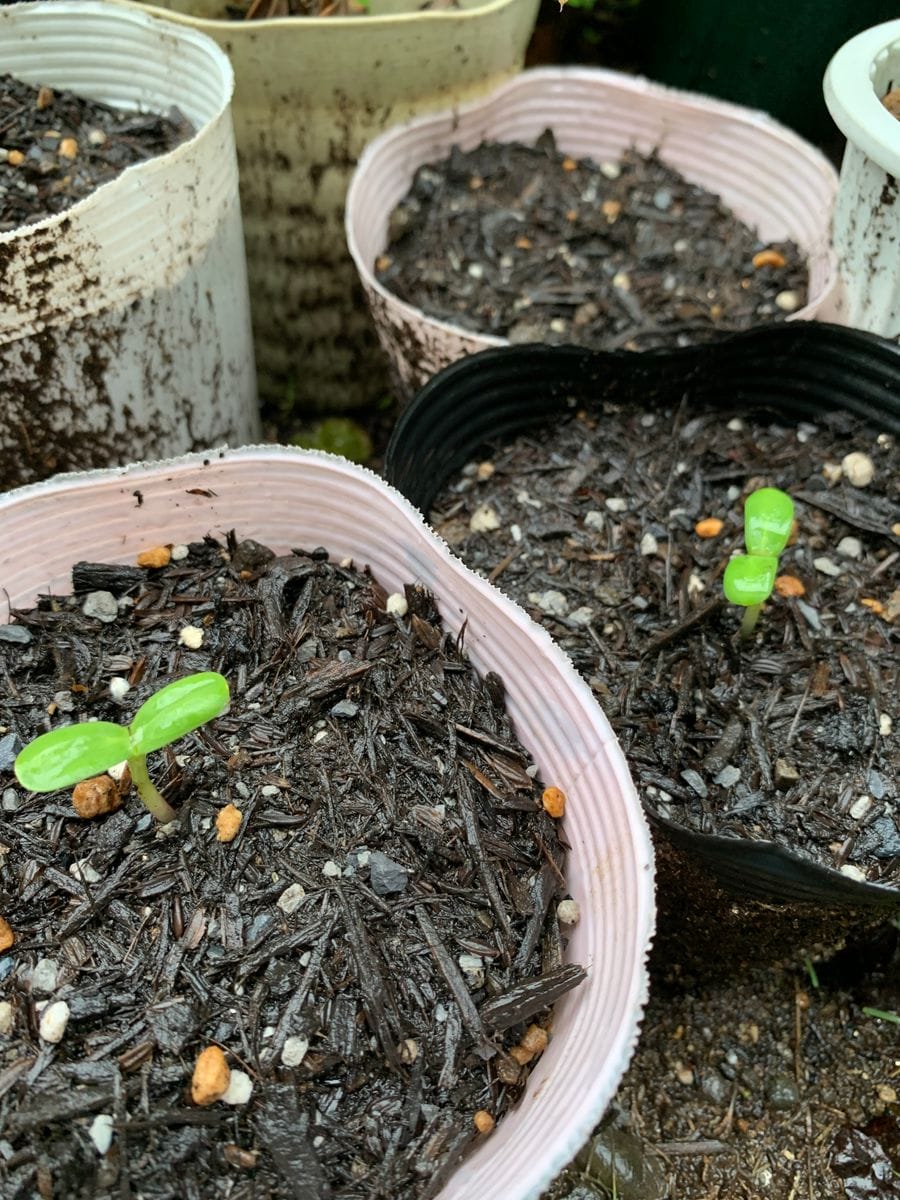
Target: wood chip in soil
526, 243
792, 737
57, 147
365, 949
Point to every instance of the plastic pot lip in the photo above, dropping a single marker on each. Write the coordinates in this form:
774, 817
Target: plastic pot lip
825, 886
553, 78
325, 27
482, 377
850, 95
128, 14
613, 854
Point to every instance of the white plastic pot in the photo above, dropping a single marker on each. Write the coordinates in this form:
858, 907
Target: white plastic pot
771, 178
285, 498
124, 321
867, 208
309, 94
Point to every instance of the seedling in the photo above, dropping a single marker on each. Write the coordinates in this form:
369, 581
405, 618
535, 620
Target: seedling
749, 578
65, 756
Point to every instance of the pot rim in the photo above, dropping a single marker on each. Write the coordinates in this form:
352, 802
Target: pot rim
850, 94
322, 26
553, 78
62, 11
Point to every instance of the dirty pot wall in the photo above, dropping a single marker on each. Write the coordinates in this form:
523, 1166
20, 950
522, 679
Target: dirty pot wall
124, 321
309, 94
867, 206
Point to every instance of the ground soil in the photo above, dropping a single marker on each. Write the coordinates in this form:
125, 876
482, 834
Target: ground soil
57, 147
752, 1089
527, 243
370, 947
745, 1083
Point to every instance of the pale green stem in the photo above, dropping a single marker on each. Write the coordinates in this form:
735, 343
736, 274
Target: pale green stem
751, 616
161, 809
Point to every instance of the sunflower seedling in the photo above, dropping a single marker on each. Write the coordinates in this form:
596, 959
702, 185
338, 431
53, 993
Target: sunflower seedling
749, 578
65, 756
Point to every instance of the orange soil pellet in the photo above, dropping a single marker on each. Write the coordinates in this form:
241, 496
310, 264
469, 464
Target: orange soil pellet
768, 258
97, 795
554, 801
872, 604
211, 1076
7, 937
709, 527
789, 585
484, 1122
156, 556
228, 822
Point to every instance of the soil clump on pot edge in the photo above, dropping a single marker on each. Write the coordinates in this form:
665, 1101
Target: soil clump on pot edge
372, 950
530, 244
58, 147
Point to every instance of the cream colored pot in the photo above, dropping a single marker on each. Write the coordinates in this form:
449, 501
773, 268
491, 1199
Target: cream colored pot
309, 94
125, 320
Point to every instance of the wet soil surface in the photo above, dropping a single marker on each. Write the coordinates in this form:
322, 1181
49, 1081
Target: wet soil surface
369, 950
532, 245
56, 147
597, 532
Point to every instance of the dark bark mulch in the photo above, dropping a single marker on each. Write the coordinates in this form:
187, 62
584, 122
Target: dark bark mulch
596, 537
526, 243
389, 895
59, 147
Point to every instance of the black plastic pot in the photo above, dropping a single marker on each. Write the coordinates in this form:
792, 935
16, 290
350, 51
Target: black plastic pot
800, 370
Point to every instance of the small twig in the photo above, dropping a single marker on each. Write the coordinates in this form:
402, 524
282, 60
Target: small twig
501, 566
796, 720
485, 871
706, 1146
677, 631
885, 565
457, 985
759, 749
295, 1004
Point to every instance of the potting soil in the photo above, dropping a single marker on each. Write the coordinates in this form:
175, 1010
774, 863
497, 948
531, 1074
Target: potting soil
530, 244
368, 951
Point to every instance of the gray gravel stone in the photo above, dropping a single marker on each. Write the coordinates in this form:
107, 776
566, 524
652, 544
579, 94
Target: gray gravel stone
15, 633
101, 605
782, 1093
9, 747
385, 875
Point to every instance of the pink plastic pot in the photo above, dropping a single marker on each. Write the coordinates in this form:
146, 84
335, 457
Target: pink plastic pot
772, 179
286, 498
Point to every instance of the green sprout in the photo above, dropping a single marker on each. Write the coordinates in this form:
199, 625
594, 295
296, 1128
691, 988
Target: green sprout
65, 756
749, 578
